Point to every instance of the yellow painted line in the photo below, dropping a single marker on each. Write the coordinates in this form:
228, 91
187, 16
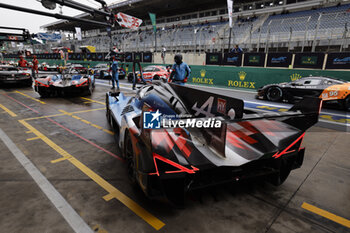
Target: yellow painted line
32, 139
60, 159
326, 214
64, 114
8, 111
87, 122
108, 131
94, 101
29, 131
132, 205
97, 126
39, 101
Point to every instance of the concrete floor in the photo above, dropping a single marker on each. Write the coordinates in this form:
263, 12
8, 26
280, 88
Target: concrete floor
323, 180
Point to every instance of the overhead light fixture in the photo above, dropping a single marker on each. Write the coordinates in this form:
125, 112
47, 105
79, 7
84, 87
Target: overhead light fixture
280, 2
48, 4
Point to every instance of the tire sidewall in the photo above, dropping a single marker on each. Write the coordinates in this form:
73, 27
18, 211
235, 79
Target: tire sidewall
274, 98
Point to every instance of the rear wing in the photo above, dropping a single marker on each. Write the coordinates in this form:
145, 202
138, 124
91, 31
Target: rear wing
201, 103
302, 115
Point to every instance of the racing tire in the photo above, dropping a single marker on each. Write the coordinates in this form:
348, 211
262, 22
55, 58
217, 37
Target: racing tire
130, 77
274, 94
346, 103
156, 77
130, 158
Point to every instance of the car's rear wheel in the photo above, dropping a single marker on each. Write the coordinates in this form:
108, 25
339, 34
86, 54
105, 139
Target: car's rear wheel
274, 94
130, 160
282, 175
156, 77
130, 77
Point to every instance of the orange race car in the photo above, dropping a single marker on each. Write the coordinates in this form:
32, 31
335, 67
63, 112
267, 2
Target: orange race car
331, 90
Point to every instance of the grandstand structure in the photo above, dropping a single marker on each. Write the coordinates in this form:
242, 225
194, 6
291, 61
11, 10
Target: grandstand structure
265, 25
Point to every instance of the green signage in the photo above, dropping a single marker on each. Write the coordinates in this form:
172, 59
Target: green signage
308, 60
254, 59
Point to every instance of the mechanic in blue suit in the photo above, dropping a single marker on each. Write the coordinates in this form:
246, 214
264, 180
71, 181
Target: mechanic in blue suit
115, 74
180, 72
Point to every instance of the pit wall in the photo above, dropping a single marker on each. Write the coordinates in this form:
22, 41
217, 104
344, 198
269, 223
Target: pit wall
237, 77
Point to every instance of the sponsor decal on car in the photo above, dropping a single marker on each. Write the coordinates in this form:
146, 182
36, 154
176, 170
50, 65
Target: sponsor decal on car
155, 120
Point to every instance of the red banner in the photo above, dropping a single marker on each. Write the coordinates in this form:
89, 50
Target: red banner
128, 21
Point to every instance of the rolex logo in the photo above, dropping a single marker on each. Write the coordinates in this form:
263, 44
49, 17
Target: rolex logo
295, 77
242, 75
202, 73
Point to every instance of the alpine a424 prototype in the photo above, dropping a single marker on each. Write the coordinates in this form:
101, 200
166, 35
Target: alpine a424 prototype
66, 83
166, 160
329, 89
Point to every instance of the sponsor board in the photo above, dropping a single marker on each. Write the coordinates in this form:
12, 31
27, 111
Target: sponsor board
241, 83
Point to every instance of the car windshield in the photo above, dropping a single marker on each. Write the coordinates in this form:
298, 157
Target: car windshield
149, 69
8, 69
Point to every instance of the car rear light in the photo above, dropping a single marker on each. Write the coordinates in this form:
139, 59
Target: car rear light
37, 83
85, 83
291, 148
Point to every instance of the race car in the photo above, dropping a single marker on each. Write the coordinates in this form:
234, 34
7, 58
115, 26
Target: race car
66, 83
103, 71
176, 139
329, 89
12, 74
151, 73
72, 66
46, 67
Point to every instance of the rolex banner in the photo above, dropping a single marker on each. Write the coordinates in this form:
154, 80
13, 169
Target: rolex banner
230, 7
153, 20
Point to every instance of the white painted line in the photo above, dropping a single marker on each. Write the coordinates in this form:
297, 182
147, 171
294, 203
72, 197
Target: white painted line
68, 213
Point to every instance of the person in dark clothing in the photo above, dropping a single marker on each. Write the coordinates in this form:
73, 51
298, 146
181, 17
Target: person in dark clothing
115, 74
180, 72
237, 49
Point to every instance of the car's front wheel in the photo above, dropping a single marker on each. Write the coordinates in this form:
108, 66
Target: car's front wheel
130, 160
346, 103
274, 94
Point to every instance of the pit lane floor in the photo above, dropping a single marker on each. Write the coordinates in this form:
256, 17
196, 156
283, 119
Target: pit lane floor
70, 144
